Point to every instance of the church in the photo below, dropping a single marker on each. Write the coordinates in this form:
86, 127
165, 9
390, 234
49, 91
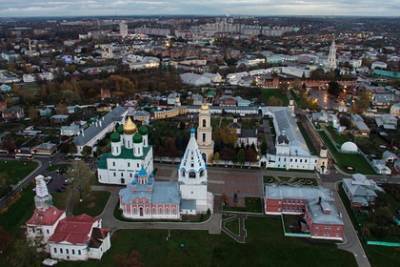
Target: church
131, 163
130, 152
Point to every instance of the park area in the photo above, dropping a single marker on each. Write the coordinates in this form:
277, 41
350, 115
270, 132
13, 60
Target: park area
12, 171
265, 246
274, 97
349, 162
379, 224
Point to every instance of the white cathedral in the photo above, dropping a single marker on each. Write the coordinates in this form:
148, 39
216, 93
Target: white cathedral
131, 163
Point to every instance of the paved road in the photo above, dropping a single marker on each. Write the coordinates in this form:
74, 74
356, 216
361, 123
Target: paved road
352, 242
212, 225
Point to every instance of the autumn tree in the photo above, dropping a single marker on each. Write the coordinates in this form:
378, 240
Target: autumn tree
274, 101
362, 103
81, 176
334, 88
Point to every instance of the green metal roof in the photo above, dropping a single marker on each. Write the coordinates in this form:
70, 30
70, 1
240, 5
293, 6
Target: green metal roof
125, 154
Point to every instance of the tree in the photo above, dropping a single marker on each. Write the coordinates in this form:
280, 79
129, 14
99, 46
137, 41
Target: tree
5, 240
33, 113
216, 156
274, 101
9, 144
241, 156
23, 254
61, 108
362, 103
81, 176
334, 88
263, 146
86, 151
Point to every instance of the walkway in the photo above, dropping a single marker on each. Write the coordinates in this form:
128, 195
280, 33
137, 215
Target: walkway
212, 225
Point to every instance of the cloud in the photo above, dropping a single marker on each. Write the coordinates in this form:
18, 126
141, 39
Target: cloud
200, 7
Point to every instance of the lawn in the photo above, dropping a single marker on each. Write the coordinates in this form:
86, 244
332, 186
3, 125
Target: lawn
93, 204
13, 171
252, 204
306, 136
356, 161
19, 212
266, 246
233, 226
267, 93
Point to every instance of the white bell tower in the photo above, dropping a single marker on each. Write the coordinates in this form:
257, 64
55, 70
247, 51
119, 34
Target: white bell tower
204, 133
192, 176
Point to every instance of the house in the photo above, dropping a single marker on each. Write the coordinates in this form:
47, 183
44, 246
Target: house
386, 121
247, 137
378, 65
358, 122
227, 101
4, 88
316, 204
44, 149
389, 156
360, 190
59, 118
380, 167
13, 113
79, 238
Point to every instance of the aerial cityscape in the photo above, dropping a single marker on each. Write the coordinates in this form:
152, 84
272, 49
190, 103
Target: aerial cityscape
182, 133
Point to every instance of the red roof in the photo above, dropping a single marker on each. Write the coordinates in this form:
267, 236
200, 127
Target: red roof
47, 216
74, 230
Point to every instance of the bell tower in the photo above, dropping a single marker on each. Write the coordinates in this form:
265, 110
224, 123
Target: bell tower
204, 133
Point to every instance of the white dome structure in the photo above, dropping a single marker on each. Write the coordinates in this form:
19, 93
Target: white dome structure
349, 147
395, 109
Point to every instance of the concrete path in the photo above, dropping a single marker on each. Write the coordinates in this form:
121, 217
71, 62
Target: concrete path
241, 236
212, 225
352, 242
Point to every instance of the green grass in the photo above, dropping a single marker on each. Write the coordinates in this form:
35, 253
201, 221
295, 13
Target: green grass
307, 138
339, 138
15, 170
267, 93
233, 226
19, 212
266, 246
344, 160
93, 204
252, 204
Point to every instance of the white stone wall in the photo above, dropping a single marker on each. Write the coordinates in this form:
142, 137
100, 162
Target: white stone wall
69, 252
124, 168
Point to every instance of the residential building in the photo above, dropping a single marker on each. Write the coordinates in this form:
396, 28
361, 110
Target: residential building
360, 190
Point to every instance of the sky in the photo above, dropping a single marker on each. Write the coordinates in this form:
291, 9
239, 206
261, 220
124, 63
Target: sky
10, 8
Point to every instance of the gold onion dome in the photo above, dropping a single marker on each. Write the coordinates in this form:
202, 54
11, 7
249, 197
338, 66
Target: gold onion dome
129, 126
204, 106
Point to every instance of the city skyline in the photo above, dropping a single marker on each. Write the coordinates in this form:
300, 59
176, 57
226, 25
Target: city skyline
24, 8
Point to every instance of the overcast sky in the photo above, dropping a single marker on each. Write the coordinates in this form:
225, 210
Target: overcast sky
200, 7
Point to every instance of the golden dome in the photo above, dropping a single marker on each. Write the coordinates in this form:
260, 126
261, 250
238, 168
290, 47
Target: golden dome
129, 126
204, 106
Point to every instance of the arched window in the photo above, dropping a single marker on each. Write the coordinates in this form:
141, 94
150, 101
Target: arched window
183, 173
192, 174
204, 123
201, 173
204, 137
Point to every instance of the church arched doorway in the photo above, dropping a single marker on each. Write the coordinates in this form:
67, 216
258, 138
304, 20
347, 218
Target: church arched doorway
141, 211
